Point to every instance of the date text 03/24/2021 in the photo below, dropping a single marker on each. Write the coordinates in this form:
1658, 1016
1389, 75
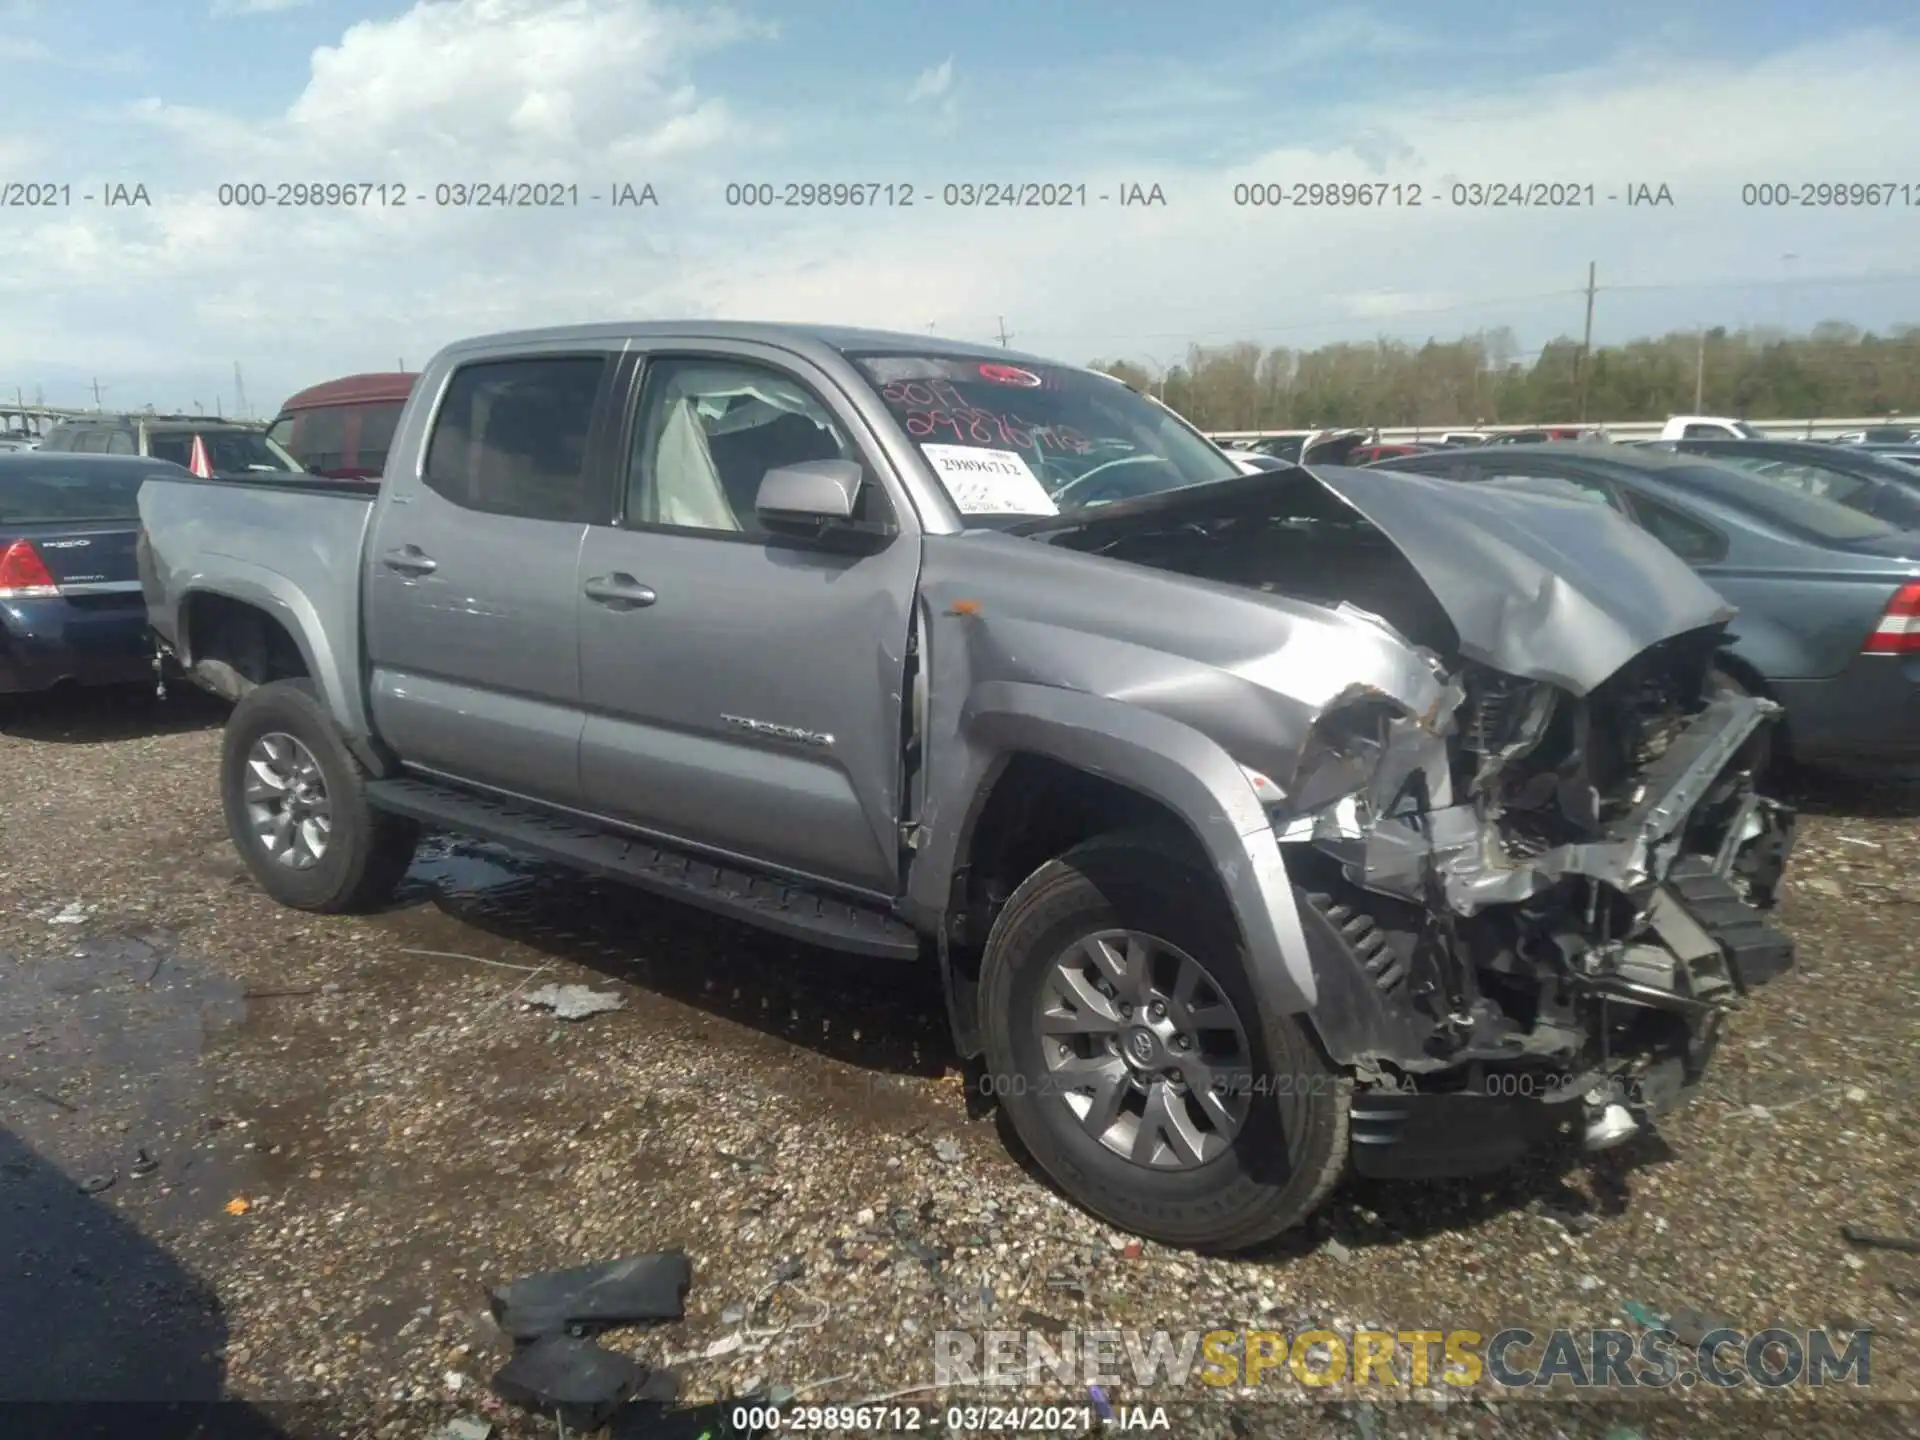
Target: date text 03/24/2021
971, 1419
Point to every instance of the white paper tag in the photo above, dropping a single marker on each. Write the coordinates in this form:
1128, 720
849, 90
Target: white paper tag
989, 482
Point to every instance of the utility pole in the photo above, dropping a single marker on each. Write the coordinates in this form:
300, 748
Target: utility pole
1586, 347
1004, 337
1700, 373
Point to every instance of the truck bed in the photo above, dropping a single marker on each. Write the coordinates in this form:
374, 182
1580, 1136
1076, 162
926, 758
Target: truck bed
292, 547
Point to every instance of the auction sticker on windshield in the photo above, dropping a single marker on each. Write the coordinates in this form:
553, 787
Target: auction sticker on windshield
989, 482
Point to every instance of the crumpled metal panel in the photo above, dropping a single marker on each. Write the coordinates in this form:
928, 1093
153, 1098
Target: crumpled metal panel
1541, 588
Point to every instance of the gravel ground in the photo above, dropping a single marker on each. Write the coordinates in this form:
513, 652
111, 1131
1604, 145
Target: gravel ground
310, 1141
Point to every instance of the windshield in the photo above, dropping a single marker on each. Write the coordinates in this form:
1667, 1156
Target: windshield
1038, 439
229, 452
1776, 501
1746, 431
55, 490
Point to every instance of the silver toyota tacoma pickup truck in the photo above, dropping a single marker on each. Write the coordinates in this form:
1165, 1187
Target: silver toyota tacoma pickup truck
1261, 826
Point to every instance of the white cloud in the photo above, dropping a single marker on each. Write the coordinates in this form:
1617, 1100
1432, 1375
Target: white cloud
933, 82
595, 91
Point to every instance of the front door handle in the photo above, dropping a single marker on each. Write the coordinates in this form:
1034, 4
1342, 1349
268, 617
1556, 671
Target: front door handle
619, 591
410, 560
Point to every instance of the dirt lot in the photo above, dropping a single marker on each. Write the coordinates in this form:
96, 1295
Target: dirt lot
310, 1141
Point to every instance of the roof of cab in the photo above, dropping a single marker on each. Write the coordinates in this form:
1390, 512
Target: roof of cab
791, 336
374, 387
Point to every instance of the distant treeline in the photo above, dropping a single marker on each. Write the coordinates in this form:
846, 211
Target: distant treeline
1836, 370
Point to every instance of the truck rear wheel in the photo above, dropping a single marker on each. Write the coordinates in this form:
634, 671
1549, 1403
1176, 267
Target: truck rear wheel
1125, 1042
296, 805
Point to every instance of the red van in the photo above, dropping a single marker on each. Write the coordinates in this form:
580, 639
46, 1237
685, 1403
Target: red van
342, 429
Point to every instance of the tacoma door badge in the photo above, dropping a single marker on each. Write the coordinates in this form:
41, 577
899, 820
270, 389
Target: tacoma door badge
790, 733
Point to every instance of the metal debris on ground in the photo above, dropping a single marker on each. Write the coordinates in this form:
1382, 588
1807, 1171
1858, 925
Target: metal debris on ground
143, 1163
94, 1184
574, 1002
466, 1427
73, 914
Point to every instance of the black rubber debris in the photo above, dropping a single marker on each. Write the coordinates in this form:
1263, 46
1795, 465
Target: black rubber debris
94, 1184
713, 1421
1904, 1243
639, 1289
585, 1384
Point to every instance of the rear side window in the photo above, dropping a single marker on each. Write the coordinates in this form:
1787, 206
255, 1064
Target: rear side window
1692, 540
1774, 501
377, 424
323, 439
511, 439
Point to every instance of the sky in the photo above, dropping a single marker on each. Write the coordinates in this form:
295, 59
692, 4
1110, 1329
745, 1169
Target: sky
189, 109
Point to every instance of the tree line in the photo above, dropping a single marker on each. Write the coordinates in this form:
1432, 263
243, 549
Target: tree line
1835, 369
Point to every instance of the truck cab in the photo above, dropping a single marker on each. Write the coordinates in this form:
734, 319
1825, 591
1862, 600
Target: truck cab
1708, 427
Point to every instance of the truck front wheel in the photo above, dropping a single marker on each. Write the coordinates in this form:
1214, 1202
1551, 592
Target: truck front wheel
1125, 1043
296, 805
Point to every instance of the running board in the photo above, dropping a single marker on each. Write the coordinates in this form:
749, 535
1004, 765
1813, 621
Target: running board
764, 901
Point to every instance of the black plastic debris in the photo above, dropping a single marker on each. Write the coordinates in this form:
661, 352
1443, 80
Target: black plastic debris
637, 1290
1906, 1244
584, 1383
712, 1421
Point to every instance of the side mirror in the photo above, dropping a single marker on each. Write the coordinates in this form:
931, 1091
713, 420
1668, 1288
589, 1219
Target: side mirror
816, 499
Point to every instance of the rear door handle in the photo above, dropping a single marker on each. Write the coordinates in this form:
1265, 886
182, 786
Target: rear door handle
619, 591
410, 560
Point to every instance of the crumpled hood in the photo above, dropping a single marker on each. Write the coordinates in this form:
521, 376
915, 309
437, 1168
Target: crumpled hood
1548, 589
1564, 591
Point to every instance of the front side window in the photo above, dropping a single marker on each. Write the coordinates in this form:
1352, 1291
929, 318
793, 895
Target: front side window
511, 438
1035, 440
708, 433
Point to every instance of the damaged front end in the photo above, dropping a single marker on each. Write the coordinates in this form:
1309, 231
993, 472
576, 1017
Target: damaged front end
1552, 900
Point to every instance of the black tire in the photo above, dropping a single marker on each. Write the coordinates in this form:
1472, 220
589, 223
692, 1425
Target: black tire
368, 851
1292, 1148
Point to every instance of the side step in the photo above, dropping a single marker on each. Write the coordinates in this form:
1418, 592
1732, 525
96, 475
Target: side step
764, 901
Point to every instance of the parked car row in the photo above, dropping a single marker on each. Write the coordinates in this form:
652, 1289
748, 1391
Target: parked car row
1819, 549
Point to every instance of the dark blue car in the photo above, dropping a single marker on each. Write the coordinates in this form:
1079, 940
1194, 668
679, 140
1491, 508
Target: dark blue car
71, 610
1829, 596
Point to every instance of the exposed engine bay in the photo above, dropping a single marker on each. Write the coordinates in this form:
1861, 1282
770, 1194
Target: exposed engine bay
1554, 882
